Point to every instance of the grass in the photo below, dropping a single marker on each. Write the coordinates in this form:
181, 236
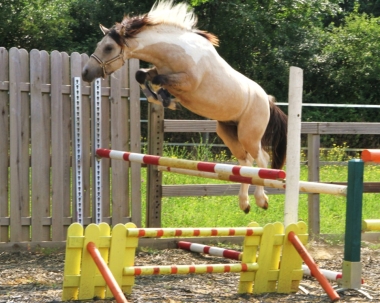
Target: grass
223, 211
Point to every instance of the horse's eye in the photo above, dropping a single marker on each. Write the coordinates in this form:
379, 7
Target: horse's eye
108, 49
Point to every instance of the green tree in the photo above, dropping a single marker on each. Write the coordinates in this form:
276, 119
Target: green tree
41, 24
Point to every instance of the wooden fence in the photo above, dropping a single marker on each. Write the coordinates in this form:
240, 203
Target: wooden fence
37, 196
37, 192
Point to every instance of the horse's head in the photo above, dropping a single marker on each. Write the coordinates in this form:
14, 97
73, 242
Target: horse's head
109, 55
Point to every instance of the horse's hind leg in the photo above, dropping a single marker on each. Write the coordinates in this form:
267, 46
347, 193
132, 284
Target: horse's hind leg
228, 133
250, 132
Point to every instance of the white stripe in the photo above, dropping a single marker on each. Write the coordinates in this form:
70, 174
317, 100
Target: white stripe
216, 251
115, 154
223, 168
197, 247
133, 157
252, 172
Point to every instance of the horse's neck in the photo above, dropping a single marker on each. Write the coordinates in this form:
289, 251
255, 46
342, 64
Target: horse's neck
159, 47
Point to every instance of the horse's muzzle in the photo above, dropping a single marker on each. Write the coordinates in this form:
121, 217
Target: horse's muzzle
89, 74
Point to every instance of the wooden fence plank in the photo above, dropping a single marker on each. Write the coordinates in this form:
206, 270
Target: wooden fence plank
135, 139
200, 190
323, 128
60, 162
119, 139
4, 146
66, 106
40, 146
19, 145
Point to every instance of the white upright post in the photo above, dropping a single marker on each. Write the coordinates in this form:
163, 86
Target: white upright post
293, 149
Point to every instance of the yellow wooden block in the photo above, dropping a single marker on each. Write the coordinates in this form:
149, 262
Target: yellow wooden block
87, 286
72, 266
291, 262
268, 260
103, 246
250, 246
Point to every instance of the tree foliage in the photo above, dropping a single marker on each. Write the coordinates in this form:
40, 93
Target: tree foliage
335, 42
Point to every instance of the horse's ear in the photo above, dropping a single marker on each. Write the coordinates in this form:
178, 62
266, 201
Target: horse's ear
104, 29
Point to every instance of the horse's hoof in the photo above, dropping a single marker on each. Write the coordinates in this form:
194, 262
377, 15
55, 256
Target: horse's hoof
140, 76
164, 96
265, 206
248, 208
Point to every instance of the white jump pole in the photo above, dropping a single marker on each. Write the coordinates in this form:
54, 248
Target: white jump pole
304, 186
293, 149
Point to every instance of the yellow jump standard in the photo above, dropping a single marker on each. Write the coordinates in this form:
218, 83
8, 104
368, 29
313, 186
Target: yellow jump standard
270, 263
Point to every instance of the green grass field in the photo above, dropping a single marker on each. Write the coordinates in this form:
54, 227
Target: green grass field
223, 211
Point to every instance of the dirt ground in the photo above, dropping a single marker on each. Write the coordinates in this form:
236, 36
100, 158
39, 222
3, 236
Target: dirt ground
37, 277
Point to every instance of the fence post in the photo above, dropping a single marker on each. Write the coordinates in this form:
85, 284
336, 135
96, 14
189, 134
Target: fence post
294, 145
154, 177
352, 266
313, 144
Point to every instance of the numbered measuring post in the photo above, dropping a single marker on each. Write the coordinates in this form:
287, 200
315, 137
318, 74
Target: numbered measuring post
77, 147
96, 143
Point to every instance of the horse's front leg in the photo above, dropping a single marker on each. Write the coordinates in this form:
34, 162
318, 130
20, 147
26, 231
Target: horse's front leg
161, 96
228, 133
176, 82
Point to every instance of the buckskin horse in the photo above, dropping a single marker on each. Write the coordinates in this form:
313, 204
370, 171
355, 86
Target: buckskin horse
187, 65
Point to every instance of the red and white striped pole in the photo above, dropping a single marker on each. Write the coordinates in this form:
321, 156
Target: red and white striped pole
211, 250
189, 269
237, 170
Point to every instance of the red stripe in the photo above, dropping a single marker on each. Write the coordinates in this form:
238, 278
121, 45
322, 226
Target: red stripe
231, 254
141, 233
240, 179
196, 232
156, 270
126, 156
174, 269
137, 271
184, 245
102, 152
272, 174
191, 269
206, 249
249, 232
244, 267
231, 232
210, 269
152, 160
160, 233
227, 268
214, 232
178, 232
236, 170
205, 166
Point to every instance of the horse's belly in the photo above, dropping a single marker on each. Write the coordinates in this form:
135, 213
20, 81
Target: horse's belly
218, 110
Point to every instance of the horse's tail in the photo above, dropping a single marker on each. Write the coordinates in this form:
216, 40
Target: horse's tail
275, 136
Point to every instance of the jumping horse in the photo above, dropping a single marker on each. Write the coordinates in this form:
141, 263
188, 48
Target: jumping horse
187, 66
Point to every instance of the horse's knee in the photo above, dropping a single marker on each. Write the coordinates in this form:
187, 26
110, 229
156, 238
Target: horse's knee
160, 80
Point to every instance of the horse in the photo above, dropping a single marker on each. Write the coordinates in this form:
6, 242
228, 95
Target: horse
188, 67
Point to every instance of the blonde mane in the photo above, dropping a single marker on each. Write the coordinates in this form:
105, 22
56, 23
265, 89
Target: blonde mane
180, 15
